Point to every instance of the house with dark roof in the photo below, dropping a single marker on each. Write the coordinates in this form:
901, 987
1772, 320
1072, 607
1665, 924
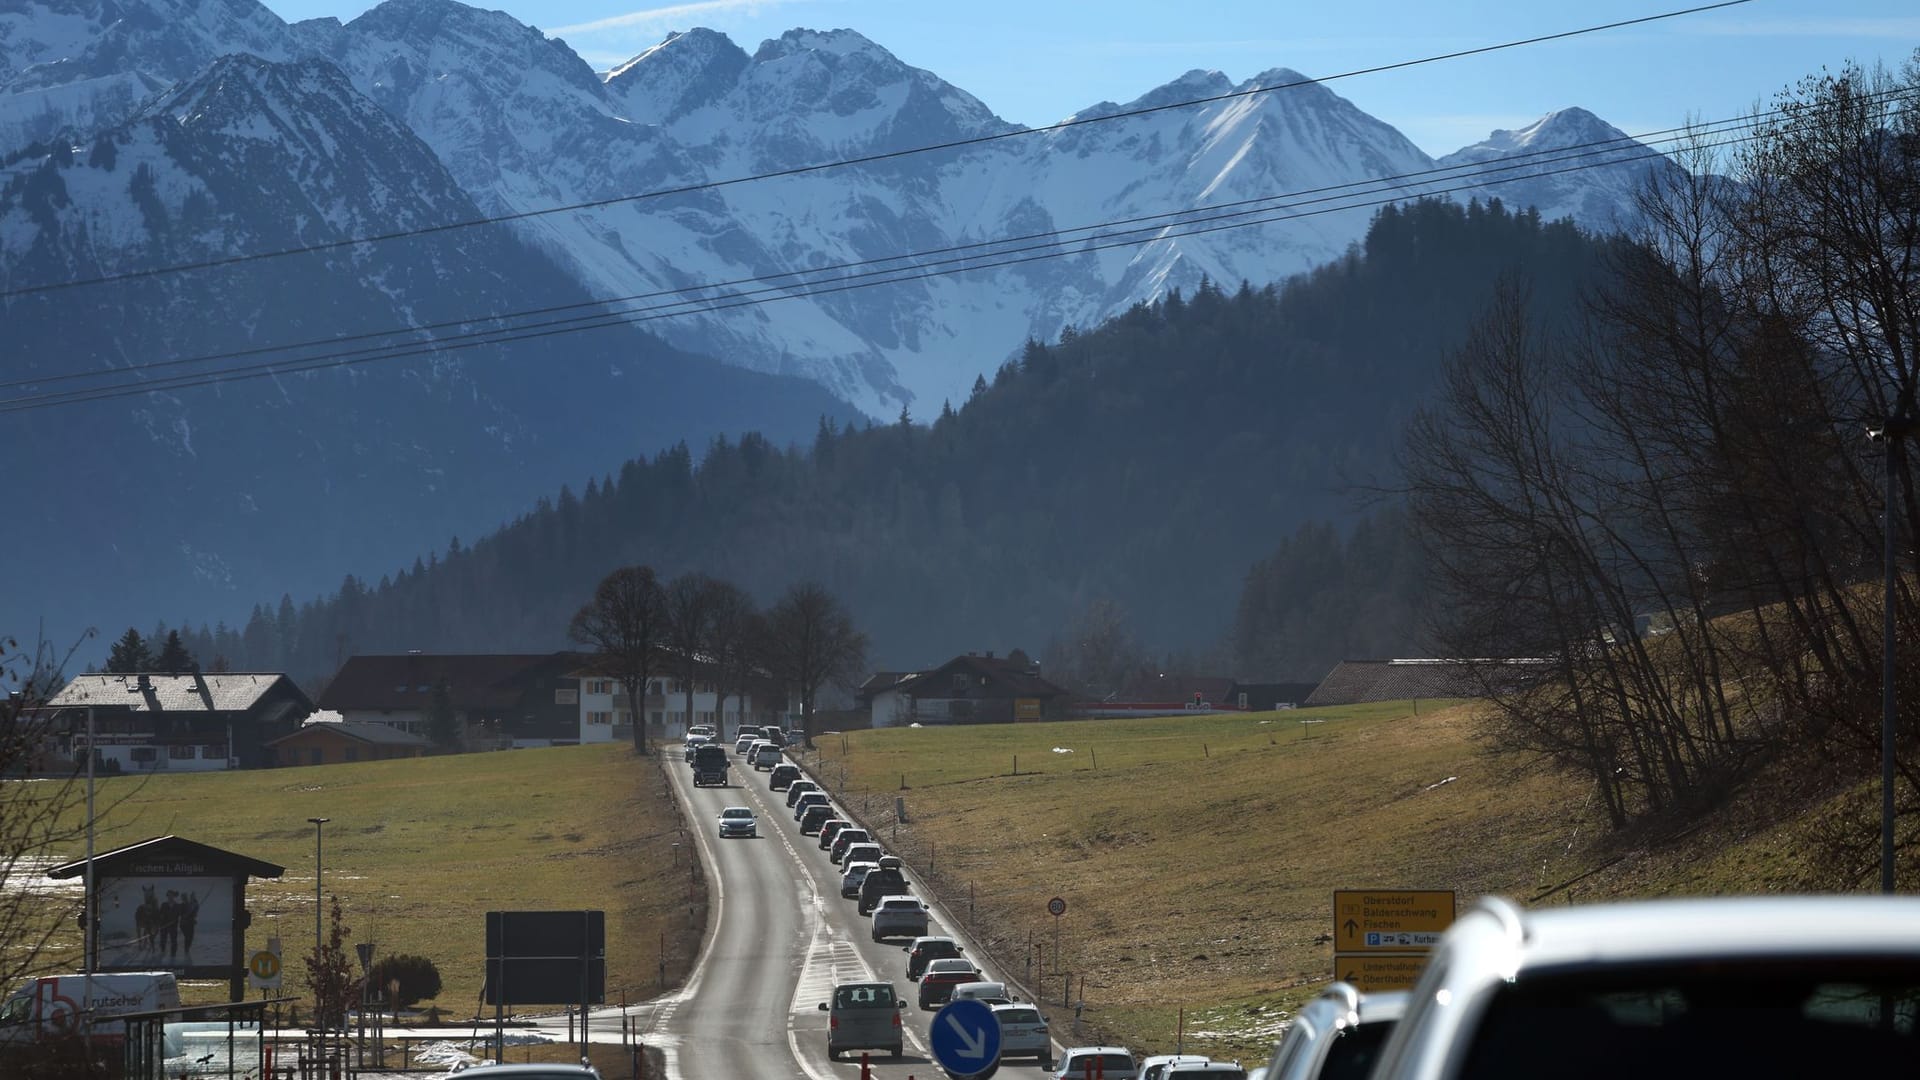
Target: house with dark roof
499, 699
1353, 682
335, 742
193, 722
978, 688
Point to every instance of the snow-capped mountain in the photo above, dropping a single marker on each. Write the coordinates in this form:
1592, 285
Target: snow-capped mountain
170, 501
522, 124
1571, 140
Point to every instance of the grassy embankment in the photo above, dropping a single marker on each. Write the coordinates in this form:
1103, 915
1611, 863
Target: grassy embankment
1199, 855
418, 851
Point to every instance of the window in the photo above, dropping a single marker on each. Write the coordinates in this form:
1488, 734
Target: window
653, 688
960, 682
213, 753
599, 686
180, 753
566, 696
144, 754
599, 718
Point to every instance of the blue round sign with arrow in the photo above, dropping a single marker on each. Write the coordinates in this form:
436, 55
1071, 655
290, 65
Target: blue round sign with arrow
966, 1039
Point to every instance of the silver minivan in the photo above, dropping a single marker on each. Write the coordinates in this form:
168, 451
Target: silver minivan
863, 1016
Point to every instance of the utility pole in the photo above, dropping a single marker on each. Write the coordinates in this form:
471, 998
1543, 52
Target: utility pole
317, 822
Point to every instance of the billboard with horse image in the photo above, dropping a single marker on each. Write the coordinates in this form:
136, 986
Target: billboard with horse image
166, 923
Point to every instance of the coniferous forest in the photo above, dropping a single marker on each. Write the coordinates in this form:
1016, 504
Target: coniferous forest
1220, 467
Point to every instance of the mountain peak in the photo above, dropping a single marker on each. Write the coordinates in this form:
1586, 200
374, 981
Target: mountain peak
1197, 83
841, 42
1558, 130
682, 73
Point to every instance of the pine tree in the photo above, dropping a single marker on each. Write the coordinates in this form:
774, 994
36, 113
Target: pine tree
174, 657
129, 655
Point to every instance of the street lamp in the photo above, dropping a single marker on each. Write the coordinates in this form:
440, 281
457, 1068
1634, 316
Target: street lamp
317, 822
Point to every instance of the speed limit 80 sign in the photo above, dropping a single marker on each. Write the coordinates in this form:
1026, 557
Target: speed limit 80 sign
1056, 907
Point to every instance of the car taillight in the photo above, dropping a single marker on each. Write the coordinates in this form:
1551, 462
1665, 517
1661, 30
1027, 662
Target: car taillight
833, 1024
896, 1018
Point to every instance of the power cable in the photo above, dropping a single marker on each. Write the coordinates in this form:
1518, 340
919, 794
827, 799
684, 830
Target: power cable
1477, 171
868, 159
612, 319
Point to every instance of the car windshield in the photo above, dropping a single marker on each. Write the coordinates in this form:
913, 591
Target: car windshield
1804, 1017
864, 997
736, 812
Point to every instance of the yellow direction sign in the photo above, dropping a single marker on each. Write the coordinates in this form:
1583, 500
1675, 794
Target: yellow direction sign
1390, 920
263, 968
1371, 974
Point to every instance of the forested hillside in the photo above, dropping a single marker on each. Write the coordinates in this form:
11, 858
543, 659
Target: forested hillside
1150, 462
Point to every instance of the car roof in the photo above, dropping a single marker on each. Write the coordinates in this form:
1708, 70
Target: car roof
862, 862
1001, 1006
954, 963
894, 898
925, 939
1652, 931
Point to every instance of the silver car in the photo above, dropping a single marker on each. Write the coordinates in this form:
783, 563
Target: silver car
738, 821
863, 1016
899, 916
1023, 1031
1339, 1033
1747, 987
852, 876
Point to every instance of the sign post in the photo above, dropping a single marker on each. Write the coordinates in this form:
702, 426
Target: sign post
1381, 937
1057, 907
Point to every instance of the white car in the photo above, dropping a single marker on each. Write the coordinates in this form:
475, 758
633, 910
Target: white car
1023, 1031
1151, 1067
899, 916
1339, 1033
738, 821
852, 876
1749, 986
1108, 1062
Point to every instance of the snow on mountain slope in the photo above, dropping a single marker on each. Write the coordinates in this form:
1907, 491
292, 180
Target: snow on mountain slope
523, 124
87, 64
1532, 160
247, 488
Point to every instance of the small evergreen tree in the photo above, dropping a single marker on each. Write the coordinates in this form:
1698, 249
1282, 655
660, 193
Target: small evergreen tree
174, 656
129, 654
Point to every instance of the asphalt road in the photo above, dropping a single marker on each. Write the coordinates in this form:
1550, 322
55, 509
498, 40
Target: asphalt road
781, 937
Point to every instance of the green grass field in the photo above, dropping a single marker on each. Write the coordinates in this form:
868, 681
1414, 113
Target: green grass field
1199, 855
419, 850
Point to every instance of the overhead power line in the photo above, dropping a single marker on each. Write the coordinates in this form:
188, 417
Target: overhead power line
868, 159
830, 286
1412, 184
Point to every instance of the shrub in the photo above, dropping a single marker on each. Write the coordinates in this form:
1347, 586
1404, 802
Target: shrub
416, 976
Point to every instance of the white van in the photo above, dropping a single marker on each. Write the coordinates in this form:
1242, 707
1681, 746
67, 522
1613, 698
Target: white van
49, 1007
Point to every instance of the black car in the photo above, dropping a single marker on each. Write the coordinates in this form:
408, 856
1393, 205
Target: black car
926, 950
816, 816
885, 881
809, 799
799, 788
782, 776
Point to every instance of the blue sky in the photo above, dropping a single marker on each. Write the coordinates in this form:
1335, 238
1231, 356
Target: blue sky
1037, 61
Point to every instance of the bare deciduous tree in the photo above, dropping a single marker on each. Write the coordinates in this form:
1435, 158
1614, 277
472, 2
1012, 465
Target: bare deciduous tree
625, 624
812, 641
